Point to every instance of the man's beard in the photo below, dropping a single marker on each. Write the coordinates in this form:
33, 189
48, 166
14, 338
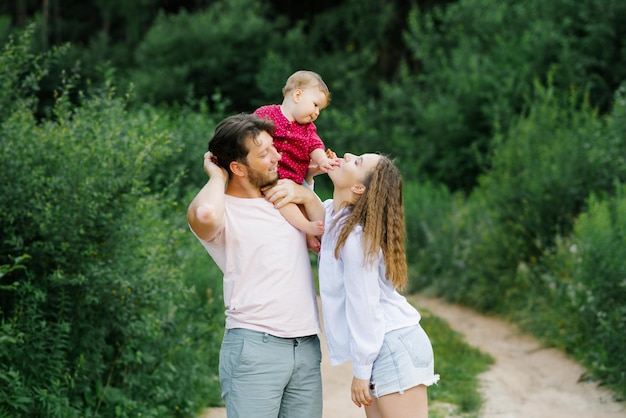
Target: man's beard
257, 179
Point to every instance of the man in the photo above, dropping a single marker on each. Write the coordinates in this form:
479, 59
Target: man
270, 355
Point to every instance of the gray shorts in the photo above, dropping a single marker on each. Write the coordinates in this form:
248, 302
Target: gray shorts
264, 376
405, 360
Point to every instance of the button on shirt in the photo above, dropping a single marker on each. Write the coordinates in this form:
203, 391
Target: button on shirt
359, 304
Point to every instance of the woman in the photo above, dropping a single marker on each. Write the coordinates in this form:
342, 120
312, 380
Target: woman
362, 265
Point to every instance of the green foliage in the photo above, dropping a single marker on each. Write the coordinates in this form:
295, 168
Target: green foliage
593, 54
445, 231
431, 232
477, 62
190, 131
5, 28
90, 186
100, 321
20, 71
542, 172
350, 132
600, 239
529, 243
543, 169
577, 302
580, 292
205, 54
349, 40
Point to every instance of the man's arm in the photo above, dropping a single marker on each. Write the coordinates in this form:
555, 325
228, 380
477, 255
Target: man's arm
206, 211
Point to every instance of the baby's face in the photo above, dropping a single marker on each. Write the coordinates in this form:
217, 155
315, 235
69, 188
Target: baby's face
309, 105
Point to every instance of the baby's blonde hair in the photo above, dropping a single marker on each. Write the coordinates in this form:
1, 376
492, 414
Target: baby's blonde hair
304, 79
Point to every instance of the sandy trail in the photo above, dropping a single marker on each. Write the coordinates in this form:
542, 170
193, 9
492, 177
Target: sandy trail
527, 380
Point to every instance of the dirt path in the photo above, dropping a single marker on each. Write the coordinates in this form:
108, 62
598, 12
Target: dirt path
526, 381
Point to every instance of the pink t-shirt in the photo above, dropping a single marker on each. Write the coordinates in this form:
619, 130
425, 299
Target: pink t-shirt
268, 285
294, 141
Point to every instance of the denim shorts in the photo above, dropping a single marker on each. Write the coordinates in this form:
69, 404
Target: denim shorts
405, 360
265, 376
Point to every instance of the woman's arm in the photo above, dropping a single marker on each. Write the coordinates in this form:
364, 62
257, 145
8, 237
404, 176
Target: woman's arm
364, 314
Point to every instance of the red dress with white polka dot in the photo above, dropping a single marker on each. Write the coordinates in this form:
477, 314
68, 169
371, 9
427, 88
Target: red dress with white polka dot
294, 141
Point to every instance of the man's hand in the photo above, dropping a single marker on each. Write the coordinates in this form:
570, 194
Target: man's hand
206, 211
284, 192
211, 168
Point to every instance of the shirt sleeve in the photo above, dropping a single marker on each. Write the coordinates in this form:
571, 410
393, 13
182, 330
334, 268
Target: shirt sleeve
363, 309
265, 112
315, 142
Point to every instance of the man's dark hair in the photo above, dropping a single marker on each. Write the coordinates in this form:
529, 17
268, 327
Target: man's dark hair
229, 140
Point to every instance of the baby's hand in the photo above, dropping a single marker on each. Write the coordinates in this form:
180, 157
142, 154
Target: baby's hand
326, 165
329, 162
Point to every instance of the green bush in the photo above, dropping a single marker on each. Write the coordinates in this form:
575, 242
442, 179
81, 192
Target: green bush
476, 61
190, 127
579, 292
216, 52
578, 288
21, 70
542, 171
600, 289
101, 320
431, 233
529, 243
445, 231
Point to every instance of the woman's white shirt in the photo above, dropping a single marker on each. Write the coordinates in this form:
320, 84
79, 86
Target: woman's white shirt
359, 304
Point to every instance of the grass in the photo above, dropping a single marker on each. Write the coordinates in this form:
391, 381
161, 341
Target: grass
458, 365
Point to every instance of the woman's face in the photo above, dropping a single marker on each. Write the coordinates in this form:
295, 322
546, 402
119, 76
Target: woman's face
352, 170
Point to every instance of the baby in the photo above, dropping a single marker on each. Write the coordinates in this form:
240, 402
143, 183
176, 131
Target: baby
295, 136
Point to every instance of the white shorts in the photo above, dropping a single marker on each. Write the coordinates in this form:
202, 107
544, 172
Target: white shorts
405, 360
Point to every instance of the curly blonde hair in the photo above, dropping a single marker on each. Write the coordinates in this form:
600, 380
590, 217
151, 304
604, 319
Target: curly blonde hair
380, 212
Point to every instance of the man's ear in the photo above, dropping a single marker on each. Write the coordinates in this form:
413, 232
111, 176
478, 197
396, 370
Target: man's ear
358, 188
237, 168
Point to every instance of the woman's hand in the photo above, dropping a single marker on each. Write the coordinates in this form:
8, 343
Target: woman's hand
361, 392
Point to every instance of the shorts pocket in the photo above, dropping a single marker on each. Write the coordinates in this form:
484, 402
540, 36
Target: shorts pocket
418, 347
